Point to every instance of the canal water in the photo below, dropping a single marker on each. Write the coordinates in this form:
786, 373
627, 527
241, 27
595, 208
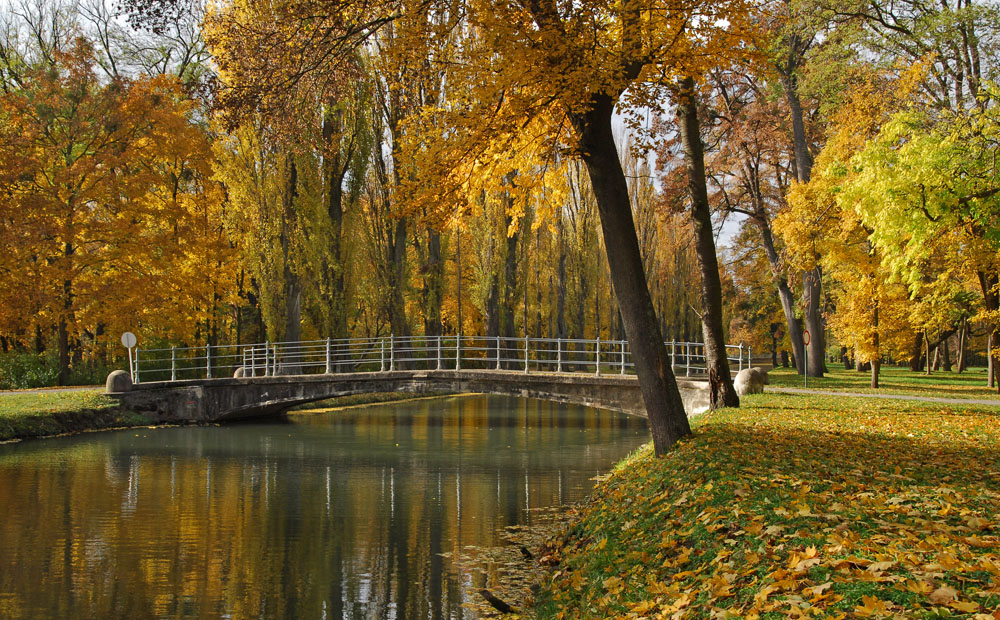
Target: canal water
355, 513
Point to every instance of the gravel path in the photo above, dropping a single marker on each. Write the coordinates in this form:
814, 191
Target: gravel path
78, 388
923, 399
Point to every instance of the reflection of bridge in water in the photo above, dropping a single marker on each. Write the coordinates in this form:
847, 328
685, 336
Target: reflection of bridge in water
180, 384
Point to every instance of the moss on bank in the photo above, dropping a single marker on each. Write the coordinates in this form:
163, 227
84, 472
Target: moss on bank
795, 506
25, 415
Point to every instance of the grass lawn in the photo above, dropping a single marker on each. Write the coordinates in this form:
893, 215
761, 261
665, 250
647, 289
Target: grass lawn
894, 380
36, 414
795, 506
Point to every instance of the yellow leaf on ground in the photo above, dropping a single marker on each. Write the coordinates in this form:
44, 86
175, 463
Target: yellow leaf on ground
872, 607
966, 607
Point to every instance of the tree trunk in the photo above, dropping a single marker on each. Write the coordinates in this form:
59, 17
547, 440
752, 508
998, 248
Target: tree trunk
293, 288
991, 301
433, 292
561, 328
63, 330
916, 353
538, 283
511, 350
927, 353
335, 173
800, 144
397, 284
667, 420
811, 280
990, 375
784, 292
722, 392
877, 360
774, 347
458, 283
946, 354
811, 292
961, 344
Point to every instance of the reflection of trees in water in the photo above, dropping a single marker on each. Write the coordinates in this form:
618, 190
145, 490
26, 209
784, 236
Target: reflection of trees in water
345, 515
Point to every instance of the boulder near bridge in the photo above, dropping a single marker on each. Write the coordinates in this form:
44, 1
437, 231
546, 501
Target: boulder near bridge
218, 383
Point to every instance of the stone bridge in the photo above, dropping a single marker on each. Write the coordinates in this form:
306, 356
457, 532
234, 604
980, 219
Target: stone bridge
214, 400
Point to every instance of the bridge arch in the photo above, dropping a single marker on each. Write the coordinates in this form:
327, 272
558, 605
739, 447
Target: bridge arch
215, 400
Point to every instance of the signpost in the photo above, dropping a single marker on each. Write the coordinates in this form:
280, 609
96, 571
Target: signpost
128, 341
805, 357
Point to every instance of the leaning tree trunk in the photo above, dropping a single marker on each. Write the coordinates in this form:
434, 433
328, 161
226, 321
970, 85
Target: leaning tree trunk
722, 392
667, 420
784, 291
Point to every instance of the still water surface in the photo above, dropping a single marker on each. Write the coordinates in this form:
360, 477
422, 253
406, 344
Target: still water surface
341, 514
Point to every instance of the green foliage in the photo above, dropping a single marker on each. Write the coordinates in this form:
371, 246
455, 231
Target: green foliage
27, 370
928, 184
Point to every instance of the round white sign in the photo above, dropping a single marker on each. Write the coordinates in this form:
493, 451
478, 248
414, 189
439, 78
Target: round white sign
128, 339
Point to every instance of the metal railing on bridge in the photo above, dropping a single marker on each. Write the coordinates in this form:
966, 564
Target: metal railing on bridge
413, 353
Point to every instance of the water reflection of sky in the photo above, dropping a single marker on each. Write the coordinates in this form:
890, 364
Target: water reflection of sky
333, 515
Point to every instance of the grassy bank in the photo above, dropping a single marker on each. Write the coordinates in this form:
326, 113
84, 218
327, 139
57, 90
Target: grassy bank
894, 380
795, 506
43, 413
38, 414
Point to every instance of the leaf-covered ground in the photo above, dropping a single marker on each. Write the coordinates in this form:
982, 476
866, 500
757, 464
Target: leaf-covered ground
795, 506
895, 380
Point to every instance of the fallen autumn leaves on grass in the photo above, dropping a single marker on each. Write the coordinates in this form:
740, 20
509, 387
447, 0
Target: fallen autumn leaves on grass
796, 507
